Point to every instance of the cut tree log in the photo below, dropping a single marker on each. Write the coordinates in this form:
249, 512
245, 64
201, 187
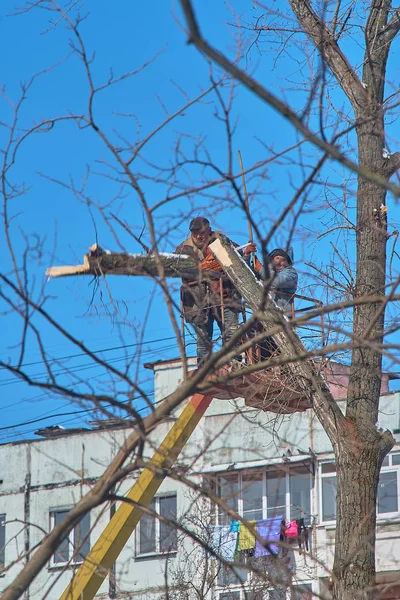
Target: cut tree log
101, 262
301, 368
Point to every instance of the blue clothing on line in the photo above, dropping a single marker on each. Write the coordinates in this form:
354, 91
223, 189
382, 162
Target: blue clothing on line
269, 530
223, 541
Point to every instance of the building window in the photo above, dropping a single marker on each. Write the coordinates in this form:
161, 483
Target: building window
328, 491
228, 575
156, 536
2, 540
388, 488
76, 546
297, 592
257, 495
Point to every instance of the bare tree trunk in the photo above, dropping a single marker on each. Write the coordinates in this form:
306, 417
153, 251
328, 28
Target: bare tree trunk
358, 462
359, 447
359, 455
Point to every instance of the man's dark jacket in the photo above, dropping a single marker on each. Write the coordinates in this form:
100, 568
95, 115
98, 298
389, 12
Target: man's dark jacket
210, 289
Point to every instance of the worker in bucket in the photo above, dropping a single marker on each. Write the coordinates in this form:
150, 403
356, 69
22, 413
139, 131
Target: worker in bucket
284, 276
211, 297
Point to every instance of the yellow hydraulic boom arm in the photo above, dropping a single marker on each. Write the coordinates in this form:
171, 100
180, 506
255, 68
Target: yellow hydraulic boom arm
106, 550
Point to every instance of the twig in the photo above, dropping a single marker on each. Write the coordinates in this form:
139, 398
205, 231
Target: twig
126, 227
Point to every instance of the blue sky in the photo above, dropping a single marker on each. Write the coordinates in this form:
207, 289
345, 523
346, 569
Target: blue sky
121, 38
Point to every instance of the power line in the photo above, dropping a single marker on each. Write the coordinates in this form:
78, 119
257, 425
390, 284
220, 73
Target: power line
35, 376
39, 362
49, 415
77, 369
140, 410
65, 414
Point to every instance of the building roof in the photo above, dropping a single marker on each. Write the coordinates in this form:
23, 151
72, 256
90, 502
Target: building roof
152, 365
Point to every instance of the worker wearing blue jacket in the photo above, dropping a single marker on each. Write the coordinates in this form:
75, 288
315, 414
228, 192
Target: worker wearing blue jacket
284, 276
284, 282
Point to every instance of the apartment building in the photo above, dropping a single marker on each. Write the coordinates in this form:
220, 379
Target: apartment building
261, 464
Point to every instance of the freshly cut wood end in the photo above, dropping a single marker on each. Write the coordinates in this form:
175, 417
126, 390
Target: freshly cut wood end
94, 247
220, 253
96, 250
69, 269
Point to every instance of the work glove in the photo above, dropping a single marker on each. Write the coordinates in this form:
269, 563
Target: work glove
257, 265
210, 264
251, 247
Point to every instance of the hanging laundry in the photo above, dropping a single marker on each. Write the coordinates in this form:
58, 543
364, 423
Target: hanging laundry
269, 530
223, 541
282, 536
234, 526
228, 545
213, 538
247, 540
292, 530
303, 534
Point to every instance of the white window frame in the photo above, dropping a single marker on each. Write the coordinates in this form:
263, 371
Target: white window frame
389, 468
321, 477
73, 555
157, 551
232, 590
286, 471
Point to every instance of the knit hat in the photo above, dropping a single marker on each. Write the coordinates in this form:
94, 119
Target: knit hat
281, 252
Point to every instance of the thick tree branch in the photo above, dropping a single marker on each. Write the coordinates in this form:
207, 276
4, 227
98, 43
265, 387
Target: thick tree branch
392, 28
100, 262
377, 21
330, 52
376, 53
392, 165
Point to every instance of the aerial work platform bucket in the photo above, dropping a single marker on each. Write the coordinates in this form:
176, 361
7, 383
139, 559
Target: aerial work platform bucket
273, 389
270, 389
